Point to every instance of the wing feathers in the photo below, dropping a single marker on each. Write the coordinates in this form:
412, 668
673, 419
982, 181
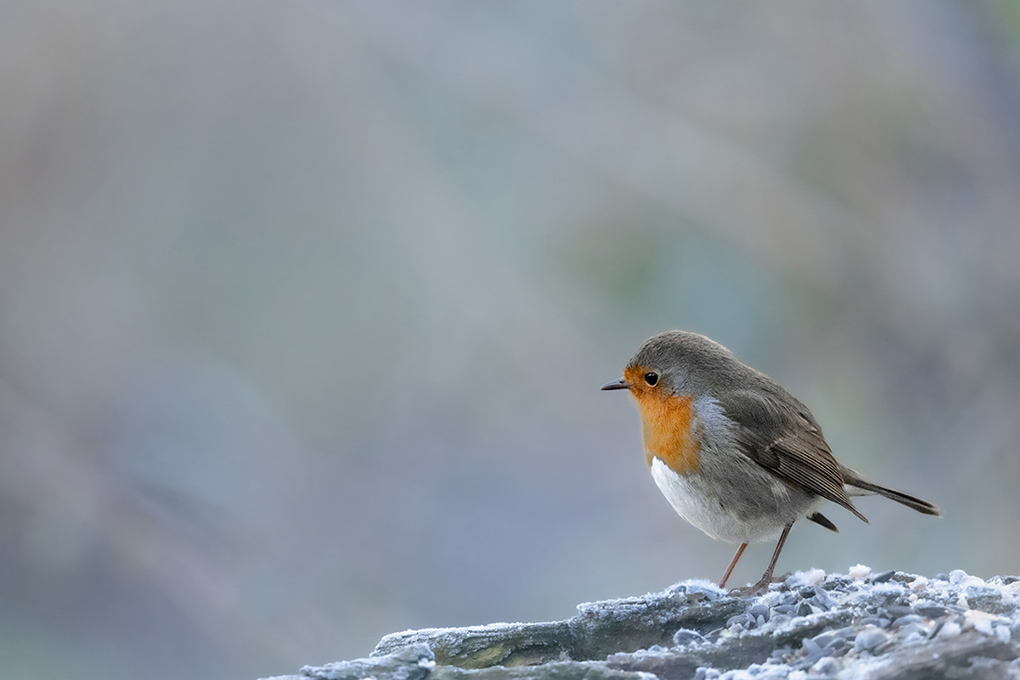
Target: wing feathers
778, 433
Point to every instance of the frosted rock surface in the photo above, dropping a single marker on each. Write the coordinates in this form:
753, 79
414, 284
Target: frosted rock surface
860, 624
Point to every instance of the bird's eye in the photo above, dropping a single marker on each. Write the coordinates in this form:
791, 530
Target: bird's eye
651, 378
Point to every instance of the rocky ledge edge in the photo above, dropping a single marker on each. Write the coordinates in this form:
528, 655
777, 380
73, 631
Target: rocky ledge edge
883, 626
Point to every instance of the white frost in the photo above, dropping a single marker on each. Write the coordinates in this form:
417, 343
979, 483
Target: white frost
982, 622
859, 572
950, 629
811, 577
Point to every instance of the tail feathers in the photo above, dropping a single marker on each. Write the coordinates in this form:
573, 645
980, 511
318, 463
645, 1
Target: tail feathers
852, 479
819, 518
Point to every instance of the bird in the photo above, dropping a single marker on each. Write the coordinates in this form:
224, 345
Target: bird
734, 453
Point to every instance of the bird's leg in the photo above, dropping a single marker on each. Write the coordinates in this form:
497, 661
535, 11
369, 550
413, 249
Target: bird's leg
733, 563
766, 578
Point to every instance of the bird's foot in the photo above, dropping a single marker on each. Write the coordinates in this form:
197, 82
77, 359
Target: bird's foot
760, 587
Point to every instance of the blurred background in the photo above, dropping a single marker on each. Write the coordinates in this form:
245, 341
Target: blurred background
305, 306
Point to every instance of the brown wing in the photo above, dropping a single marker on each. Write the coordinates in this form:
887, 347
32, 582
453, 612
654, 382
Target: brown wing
788, 442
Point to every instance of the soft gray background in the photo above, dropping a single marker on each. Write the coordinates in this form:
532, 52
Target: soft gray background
304, 306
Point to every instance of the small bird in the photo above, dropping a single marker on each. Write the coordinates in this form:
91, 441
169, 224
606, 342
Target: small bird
735, 454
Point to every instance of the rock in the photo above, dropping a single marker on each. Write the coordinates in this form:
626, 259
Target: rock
888, 626
504, 644
414, 662
599, 629
869, 638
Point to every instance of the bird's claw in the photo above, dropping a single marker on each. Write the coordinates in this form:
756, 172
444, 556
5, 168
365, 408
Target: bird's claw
760, 587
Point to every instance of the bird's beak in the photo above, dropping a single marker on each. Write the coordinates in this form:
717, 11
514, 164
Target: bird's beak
620, 384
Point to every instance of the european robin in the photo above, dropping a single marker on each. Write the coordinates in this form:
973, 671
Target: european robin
735, 454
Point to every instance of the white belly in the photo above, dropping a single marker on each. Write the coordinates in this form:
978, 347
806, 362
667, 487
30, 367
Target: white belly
740, 520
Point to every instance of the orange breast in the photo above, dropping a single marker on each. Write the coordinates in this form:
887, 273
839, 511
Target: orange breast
666, 429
